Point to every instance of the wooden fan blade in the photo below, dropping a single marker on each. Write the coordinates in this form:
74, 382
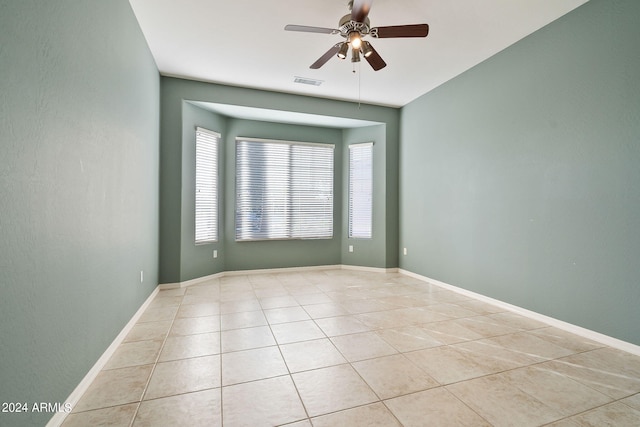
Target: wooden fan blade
360, 10
417, 30
307, 29
375, 60
327, 56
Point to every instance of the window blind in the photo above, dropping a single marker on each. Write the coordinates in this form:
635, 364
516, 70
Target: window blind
206, 185
360, 190
284, 190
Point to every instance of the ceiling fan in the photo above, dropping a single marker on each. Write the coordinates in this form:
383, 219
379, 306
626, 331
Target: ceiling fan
354, 27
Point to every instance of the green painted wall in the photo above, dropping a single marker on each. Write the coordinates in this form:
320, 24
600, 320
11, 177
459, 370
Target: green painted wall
520, 178
79, 132
180, 260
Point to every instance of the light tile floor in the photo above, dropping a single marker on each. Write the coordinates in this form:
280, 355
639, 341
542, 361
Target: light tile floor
352, 348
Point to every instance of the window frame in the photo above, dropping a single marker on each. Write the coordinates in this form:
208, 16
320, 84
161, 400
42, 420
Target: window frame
209, 233
355, 206
293, 184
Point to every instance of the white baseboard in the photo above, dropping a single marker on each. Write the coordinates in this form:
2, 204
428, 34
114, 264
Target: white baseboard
59, 417
196, 281
204, 279
281, 270
370, 269
569, 327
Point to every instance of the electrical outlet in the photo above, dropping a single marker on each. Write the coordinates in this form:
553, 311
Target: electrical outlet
215, 253
141, 276
404, 251
350, 248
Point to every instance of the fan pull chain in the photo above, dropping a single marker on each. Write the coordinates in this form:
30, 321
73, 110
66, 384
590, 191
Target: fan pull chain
359, 86
359, 82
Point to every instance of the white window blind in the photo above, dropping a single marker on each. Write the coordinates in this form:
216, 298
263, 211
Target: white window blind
284, 190
206, 185
360, 190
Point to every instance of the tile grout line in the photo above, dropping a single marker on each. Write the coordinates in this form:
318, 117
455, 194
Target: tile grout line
220, 349
376, 330
290, 375
155, 363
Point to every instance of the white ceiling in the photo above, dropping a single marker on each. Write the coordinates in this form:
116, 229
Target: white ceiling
279, 116
243, 42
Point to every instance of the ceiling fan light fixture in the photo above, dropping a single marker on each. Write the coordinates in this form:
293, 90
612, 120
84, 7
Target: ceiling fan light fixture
367, 50
355, 40
355, 55
342, 53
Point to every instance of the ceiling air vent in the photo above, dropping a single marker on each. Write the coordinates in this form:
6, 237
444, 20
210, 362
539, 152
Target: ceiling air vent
307, 81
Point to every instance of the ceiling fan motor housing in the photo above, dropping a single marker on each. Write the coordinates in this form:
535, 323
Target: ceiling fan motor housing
347, 25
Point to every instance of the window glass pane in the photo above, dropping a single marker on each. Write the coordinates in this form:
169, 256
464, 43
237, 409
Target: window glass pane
284, 190
360, 190
311, 192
